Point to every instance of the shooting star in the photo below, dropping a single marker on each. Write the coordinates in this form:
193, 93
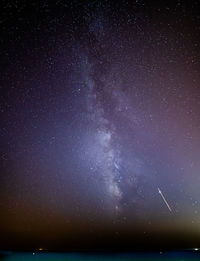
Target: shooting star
160, 192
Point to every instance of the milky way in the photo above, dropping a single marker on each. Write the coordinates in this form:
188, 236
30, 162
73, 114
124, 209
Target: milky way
104, 148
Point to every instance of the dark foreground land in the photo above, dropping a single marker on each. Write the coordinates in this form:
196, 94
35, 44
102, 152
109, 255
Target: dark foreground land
193, 255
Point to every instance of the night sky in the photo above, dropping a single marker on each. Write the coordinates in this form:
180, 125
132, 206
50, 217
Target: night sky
100, 108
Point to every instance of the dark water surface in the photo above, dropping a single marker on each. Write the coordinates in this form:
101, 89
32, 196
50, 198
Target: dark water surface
140, 256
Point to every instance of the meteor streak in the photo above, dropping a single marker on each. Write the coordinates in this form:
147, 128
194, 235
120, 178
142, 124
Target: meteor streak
160, 192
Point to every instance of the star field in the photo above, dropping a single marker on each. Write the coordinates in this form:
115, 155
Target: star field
100, 107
